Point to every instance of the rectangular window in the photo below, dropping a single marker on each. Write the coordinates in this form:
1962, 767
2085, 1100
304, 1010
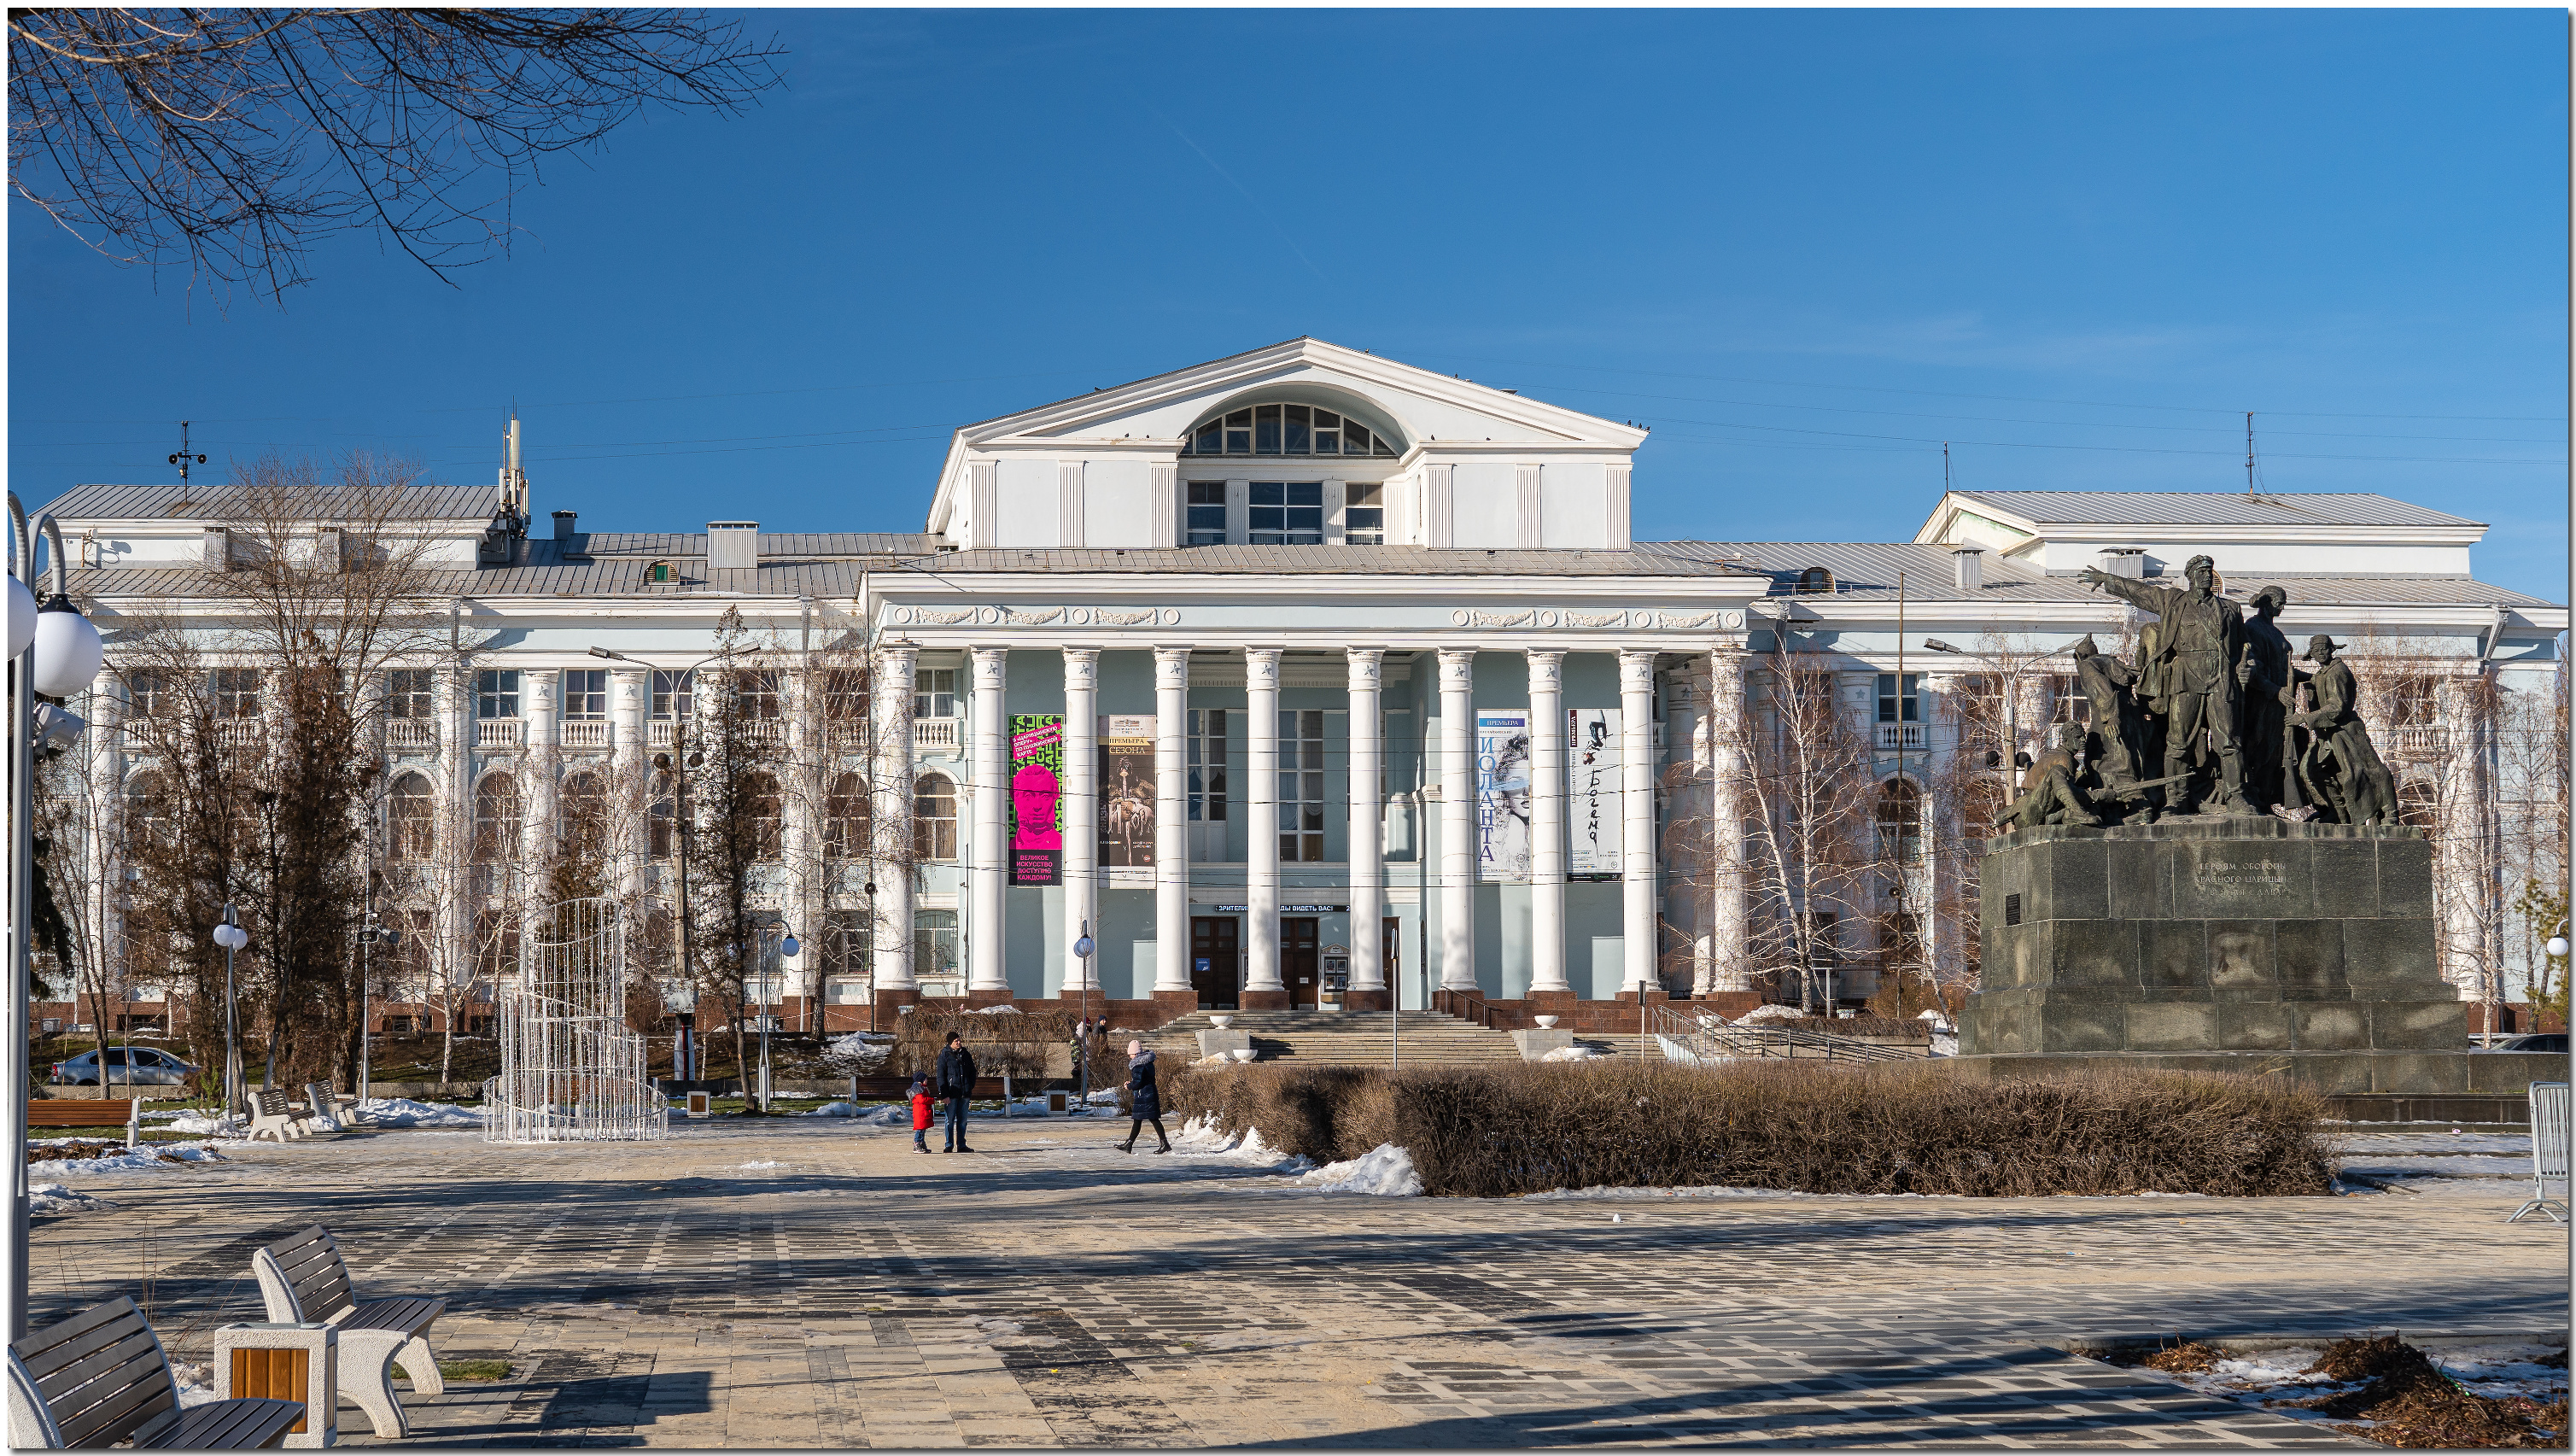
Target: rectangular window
1207, 512
934, 693
237, 692
1265, 429
934, 944
1301, 786
411, 694
675, 694
496, 693
1207, 765
1364, 513
1897, 705
1238, 432
1301, 435
586, 693
146, 694
759, 690
1287, 513
847, 947
1328, 433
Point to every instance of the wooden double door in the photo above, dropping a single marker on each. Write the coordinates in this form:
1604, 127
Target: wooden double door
1216, 960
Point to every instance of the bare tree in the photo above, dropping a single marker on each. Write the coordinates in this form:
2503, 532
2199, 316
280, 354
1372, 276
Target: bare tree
236, 138
733, 825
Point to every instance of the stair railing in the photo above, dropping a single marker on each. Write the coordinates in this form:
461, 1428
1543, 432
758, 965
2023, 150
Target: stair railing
1699, 1038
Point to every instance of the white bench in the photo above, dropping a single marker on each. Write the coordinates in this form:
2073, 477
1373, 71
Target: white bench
2550, 1133
322, 1105
273, 1115
304, 1281
101, 1378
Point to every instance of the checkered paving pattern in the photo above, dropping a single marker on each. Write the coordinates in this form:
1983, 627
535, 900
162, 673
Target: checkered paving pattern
810, 1284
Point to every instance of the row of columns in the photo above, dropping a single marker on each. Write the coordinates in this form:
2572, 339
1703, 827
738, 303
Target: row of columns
986, 859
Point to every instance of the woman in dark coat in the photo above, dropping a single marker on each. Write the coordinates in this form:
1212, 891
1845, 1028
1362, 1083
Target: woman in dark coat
1144, 1103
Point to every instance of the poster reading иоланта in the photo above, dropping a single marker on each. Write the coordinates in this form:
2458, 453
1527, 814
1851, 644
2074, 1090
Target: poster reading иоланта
1503, 796
1592, 787
1037, 798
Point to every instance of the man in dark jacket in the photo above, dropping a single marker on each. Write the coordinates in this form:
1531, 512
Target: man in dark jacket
954, 1079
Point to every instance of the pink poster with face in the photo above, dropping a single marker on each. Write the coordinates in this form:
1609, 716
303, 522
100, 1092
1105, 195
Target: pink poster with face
1037, 798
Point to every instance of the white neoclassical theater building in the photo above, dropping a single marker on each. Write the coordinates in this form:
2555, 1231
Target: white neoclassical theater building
1306, 677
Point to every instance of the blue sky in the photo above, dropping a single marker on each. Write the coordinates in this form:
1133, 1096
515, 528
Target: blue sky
1805, 247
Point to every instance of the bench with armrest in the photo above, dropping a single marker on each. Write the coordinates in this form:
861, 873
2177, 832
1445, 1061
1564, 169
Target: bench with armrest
304, 1280
274, 1115
326, 1107
101, 1377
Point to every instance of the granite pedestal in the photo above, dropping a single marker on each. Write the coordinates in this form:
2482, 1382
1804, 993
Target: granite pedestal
2231, 944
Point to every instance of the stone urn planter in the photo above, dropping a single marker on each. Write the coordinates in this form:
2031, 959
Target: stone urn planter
1243, 1054
1221, 1020
1544, 1022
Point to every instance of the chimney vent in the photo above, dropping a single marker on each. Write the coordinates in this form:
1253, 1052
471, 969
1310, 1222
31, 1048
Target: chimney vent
563, 524
734, 544
2128, 561
1968, 567
219, 549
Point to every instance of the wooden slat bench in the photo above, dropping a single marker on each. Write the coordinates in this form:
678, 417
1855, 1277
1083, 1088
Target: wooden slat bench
273, 1114
80, 1112
304, 1280
101, 1378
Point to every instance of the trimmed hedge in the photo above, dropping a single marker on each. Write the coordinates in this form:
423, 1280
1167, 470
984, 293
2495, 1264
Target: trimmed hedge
1494, 1132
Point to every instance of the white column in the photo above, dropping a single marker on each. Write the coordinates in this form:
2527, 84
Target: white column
990, 854
455, 823
2464, 873
1637, 812
1171, 820
890, 855
1081, 811
2031, 707
106, 709
1547, 822
1729, 968
1457, 819
1368, 821
537, 702
1261, 805
801, 839
631, 771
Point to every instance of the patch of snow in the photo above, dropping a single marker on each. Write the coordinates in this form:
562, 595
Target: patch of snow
1581, 1053
2430, 1142
195, 1384
404, 1112
1385, 1170
1217, 1059
55, 1198
1199, 1138
2460, 1165
202, 1124
764, 1163
860, 1051
2256, 1379
1005, 1009
1770, 1012
881, 1114
146, 1158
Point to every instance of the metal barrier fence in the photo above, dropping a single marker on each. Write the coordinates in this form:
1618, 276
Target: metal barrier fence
2550, 1134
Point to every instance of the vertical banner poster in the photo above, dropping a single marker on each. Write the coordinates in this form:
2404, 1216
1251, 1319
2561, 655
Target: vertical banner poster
1503, 796
1592, 784
1037, 798
1126, 783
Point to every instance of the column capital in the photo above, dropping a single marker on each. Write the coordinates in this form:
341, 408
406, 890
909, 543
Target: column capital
1637, 669
1546, 668
988, 663
1261, 666
1457, 668
1171, 667
1081, 667
1366, 664
1726, 645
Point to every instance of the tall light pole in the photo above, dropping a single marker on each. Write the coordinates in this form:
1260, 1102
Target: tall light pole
53, 650
369, 933
231, 937
677, 764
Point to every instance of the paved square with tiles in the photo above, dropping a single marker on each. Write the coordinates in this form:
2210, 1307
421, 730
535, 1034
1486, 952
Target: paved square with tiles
811, 1283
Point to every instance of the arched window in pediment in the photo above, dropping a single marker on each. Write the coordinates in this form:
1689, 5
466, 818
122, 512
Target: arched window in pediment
1286, 429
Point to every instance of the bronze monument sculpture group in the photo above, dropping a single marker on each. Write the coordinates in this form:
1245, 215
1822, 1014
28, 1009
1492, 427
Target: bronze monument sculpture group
2215, 718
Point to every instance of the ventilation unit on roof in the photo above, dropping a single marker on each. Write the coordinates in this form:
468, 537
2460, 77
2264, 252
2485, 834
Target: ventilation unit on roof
1968, 567
2128, 561
733, 545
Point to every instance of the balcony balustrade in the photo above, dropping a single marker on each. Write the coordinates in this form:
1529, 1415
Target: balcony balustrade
585, 732
241, 733
1900, 735
936, 735
660, 732
499, 733
2415, 743
411, 735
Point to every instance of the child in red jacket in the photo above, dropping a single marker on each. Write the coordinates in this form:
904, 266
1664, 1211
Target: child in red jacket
920, 1114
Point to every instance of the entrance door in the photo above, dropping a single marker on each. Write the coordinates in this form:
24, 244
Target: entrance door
1216, 960
1299, 965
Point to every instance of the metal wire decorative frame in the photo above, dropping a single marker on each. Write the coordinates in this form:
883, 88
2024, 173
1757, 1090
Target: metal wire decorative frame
570, 1070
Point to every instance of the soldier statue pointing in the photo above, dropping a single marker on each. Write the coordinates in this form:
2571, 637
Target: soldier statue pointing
2194, 674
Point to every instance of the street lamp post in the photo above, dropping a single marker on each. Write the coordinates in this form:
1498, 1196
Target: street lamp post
231, 937
1083, 947
369, 933
53, 650
677, 764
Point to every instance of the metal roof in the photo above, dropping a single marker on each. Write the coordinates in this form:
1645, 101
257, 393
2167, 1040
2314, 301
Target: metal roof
2209, 508
213, 503
1869, 569
1334, 561
816, 545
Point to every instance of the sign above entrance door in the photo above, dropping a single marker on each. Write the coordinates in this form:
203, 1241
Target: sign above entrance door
1287, 909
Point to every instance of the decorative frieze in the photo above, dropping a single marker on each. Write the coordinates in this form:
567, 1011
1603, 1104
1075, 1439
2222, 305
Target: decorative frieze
905, 616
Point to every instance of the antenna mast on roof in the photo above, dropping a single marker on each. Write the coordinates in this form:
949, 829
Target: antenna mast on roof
514, 481
183, 459
2249, 454
1945, 465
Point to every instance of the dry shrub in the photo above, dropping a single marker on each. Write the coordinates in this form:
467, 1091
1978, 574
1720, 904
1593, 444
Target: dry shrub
2413, 1405
1494, 1132
2189, 1357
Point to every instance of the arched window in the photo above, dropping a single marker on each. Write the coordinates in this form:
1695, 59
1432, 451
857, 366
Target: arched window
934, 818
496, 819
761, 810
411, 822
1287, 429
845, 818
1900, 821
581, 814
1815, 581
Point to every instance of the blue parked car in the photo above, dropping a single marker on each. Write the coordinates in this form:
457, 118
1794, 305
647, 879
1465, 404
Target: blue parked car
126, 1066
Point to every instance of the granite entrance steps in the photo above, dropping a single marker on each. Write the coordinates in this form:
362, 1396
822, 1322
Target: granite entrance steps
1344, 1038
